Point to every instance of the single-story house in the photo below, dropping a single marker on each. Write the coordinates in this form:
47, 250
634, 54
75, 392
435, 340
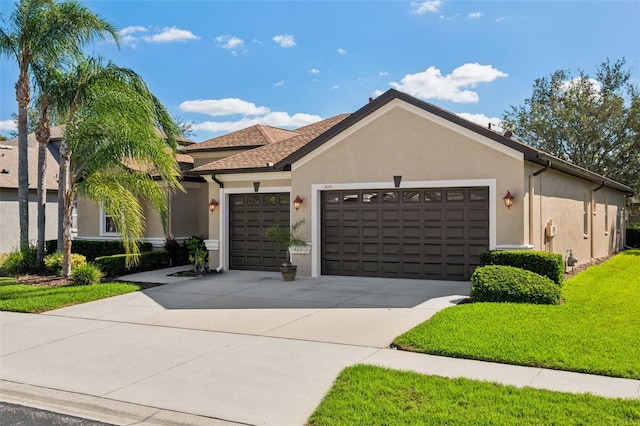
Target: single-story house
399, 188
9, 212
186, 218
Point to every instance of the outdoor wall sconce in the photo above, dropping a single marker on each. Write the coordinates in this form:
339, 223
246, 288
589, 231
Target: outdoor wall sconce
297, 202
396, 181
508, 200
213, 204
256, 186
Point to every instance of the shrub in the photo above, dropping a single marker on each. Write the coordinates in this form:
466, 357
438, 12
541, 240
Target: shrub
96, 248
550, 265
497, 283
53, 262
198, 253
20, 262
116, 265
86, 274
176, 251
633, 237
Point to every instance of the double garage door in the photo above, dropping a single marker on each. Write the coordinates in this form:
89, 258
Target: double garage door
434, 233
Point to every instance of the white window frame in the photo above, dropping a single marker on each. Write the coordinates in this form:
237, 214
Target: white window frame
103, 223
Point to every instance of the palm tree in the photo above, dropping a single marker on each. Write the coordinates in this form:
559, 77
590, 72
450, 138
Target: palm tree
37, 32
111, 152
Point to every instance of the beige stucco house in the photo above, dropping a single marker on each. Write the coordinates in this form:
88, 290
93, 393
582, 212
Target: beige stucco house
399, 188
9, 213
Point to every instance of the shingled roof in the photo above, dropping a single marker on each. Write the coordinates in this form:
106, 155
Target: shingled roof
274, 152
250, 137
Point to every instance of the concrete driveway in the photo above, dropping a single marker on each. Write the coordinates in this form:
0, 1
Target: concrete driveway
241, 347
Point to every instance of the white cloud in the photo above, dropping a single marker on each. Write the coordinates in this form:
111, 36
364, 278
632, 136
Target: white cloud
431, 84
475, 15
342, 51
285, 40
314, 71
8, 125
276, 119
383, 73
483, 120
502, 18
229, 42
222, 107
132, 30
170, 35
422, 7
335, 87
279, 84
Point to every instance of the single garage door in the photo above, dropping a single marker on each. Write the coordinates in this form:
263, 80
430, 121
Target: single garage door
434, 233
249, 217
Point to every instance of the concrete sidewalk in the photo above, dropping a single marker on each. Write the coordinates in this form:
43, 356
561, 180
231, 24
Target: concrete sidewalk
175, 355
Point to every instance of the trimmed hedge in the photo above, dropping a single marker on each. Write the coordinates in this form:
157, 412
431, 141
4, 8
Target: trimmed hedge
550, 265
633, 237
498, 283
114, 266
91, 249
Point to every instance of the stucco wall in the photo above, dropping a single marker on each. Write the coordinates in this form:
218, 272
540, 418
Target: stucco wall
10, 219
561, 198
421, 148
187, 209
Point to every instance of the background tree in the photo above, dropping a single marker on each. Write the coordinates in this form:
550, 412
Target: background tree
592, 122
111, 153
43, 31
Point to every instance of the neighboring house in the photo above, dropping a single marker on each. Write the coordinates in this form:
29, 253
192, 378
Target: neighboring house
9, 215
634, 212
400, 188
186, 218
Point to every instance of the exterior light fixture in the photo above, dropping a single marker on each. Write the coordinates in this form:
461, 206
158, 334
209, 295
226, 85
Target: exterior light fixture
508, 200
213, 204
297, 202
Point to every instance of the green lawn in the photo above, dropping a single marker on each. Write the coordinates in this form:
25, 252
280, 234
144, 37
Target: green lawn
368, 395
595, 331
26, 298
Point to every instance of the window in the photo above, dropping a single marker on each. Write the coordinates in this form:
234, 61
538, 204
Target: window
586, 214
606, 214
108, 224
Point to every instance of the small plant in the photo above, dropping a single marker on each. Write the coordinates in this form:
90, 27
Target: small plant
53, 262
173, 247
86, 274
497, 283
20, 262
286, 238
198, 254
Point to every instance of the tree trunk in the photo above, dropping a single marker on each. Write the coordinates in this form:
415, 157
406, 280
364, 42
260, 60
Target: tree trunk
63, 174
65, 199
42, 135
23, 96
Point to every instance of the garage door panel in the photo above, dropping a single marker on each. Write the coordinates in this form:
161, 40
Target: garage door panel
432, 233
250, 215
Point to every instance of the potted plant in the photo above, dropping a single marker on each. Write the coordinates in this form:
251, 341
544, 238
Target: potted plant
287, 238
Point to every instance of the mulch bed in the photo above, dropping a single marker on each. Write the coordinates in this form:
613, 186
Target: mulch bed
573, 271
56, 281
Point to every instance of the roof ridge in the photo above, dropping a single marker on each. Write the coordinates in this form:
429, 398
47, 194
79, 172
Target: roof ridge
269, 137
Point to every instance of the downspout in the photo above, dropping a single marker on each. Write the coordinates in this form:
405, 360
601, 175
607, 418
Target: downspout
593, 215
222, 230
531, 199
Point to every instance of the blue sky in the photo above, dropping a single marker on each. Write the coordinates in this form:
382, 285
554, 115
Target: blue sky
225, 65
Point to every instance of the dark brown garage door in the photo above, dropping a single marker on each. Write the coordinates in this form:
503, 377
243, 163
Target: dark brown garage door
249, 217
406, 233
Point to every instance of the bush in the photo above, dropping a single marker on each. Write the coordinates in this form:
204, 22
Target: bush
497, 283
178, 254
550, 265
633, 237
96, 248
86, 274
53, 262
116, 265
20, 262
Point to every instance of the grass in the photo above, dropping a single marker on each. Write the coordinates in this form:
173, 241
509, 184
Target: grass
368, 395
34, 299
595, 331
